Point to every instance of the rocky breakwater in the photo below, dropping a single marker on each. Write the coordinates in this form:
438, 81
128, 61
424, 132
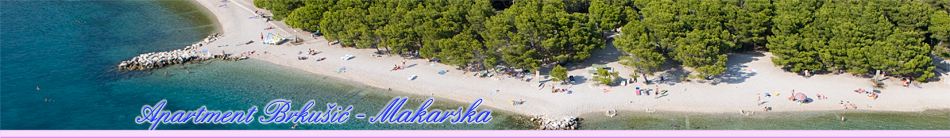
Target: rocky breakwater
190, 53
565, 123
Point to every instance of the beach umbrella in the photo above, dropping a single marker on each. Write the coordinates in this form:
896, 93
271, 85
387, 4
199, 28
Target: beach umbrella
800, 96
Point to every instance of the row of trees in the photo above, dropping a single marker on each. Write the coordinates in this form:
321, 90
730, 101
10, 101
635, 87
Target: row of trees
696, 33
466, 33
819, 36
858, 37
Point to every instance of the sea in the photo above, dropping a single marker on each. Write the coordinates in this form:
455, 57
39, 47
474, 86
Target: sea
812, 120
57, 72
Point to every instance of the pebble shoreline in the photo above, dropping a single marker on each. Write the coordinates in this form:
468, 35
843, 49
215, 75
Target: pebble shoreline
566, 123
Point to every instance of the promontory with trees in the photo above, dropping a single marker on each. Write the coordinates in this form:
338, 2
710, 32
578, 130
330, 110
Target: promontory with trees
900, 37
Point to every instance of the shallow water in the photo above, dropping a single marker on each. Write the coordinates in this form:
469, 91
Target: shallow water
239, 85
816, 120
68, 49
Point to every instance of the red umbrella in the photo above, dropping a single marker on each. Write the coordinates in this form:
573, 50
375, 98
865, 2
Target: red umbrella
800, 96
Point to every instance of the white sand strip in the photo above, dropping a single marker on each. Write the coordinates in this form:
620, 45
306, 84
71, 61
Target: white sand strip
752, 76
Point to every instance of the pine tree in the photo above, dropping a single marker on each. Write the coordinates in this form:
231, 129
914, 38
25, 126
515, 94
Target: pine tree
558, 73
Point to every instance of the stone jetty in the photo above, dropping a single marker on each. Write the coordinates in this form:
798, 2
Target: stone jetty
190, 53
566, 123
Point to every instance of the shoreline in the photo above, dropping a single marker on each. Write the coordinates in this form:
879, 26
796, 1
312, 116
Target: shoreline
203, 15
622, 113
206, 12
821, 120
237, 26
440, 101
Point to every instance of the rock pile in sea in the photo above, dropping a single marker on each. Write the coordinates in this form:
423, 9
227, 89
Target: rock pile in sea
160, 59
566, 123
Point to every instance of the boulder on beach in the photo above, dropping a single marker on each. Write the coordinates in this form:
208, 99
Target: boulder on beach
566, 123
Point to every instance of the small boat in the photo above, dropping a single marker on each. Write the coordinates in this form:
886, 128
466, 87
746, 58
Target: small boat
413, 77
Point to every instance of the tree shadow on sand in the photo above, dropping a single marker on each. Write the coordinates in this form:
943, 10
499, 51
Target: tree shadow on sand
604, 55
942, 67
735, 72
672, 73
578, 79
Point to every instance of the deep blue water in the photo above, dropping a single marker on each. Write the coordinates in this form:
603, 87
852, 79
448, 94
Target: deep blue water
69, 49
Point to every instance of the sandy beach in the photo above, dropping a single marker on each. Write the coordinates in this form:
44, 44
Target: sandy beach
743, 87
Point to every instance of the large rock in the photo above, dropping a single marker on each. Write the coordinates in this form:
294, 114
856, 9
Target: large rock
160, 59
566, 123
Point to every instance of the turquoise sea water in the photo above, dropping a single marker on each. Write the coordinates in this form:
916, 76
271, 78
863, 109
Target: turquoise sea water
819, 120
69, 48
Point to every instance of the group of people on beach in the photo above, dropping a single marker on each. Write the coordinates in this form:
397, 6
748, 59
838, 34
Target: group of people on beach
848, 105
763, 103
555, 89
871, 94
258, 14
795, 96
310, 52
820, 96
313, 52
248, 53
801, 98
399, 67
647, 91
